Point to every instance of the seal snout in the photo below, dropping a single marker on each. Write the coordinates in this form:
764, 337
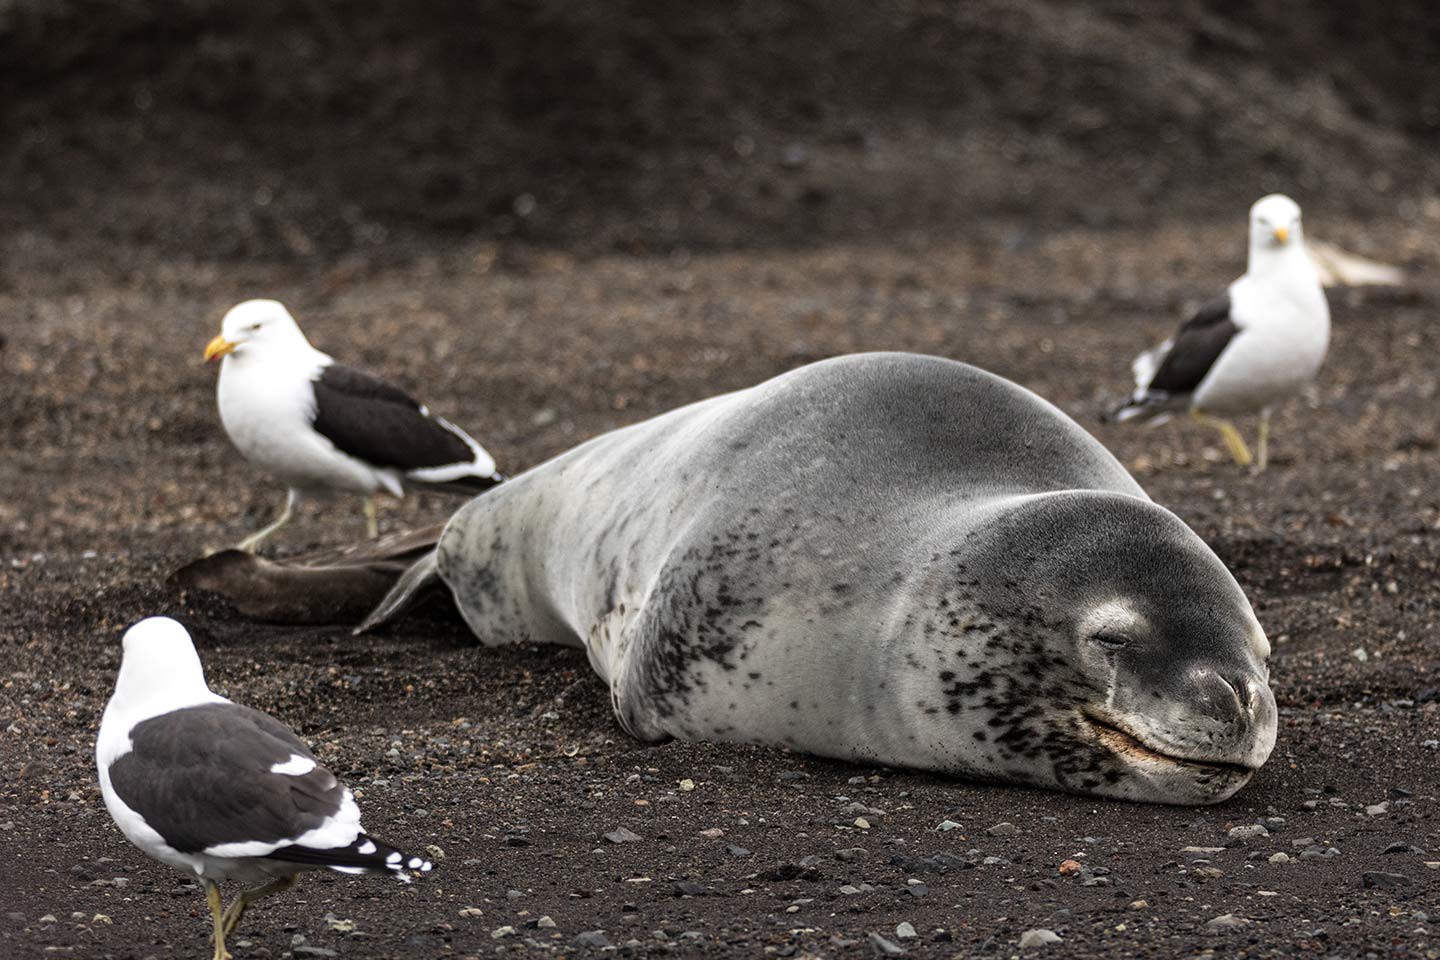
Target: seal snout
1241, 705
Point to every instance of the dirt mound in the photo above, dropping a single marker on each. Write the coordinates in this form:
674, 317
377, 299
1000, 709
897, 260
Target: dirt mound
287, 130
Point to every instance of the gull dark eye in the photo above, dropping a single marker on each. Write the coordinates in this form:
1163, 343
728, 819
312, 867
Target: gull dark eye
253, 327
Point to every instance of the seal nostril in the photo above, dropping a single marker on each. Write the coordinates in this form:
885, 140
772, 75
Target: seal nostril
1241, 691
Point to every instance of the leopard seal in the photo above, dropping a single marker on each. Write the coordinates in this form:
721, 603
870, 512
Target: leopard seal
888, 558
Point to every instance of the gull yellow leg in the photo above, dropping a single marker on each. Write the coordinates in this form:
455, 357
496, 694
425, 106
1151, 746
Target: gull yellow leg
372, 522
241, 903
1262, 448
212, 894
252, 543
1233, 441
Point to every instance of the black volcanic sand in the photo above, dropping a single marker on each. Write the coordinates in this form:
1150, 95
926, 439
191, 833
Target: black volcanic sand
551, 220
508, 760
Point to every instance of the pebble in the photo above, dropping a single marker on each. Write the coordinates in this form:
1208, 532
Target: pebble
500, 933
1226, 922
1250, 831
851, 854
472, 912
1375, 878
622, 835
688, 888
1280, 858
885, 948
687, 785
1402, 848
712, 832
1139, 904
1319, 853
905, 931
545, 923
595, 939
862, 823
947, 825
1068, 868
736, 851
916, 888
1005, 829
1039, 937
1378, 809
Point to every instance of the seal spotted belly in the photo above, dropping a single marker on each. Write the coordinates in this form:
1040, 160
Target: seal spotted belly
887, 558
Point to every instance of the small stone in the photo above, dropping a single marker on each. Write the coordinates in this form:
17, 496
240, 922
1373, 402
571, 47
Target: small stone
885, 948
905, 931
945, 826
917, 889
862, 823
500, 933
545, 923
595, 939
1225, 923
1005, 829
339, 926
687, 785
1319, 853
689, 888
307, 951
1250, 831
1374, 878
1209, 873
1280, 858
1068, 868
1039, 937
436, 854
471, 912
851, 854
1139, 904
622, 835
1378, 809
736, 851
849, 890
714, 833
48, 918
1402, 848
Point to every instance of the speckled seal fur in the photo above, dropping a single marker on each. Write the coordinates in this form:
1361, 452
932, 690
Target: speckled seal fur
887, 558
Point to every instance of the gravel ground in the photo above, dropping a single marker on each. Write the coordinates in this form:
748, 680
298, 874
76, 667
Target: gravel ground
115, 472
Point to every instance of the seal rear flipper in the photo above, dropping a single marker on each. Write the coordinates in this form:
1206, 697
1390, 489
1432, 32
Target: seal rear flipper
413, 584
328, 586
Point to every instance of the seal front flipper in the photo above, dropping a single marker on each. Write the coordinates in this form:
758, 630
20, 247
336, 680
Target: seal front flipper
413, 584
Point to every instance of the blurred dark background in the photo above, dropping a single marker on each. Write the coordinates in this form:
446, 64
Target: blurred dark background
213, 129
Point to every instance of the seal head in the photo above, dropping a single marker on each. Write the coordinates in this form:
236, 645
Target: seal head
1107, 649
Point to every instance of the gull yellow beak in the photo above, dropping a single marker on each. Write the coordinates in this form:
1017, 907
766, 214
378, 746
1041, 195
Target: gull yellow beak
217, 348
1282, 234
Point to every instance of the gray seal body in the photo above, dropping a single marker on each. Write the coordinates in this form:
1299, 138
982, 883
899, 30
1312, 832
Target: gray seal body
887, 558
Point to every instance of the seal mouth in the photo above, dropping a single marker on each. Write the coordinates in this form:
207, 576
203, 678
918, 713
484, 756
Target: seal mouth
1127, 745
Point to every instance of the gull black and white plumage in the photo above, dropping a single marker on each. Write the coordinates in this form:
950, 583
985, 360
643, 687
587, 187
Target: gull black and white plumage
1257, 345
322, 427
221, 791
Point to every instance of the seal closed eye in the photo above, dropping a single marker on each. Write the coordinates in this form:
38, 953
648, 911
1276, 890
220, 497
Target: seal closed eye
887, 558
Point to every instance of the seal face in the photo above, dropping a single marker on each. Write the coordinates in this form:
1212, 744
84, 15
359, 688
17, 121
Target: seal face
886, 558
